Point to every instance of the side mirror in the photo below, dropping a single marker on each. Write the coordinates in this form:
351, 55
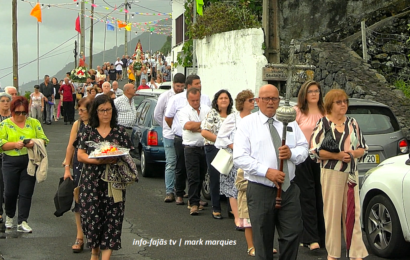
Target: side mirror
408, 160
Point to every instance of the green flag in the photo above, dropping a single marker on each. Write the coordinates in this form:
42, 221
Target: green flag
199, 5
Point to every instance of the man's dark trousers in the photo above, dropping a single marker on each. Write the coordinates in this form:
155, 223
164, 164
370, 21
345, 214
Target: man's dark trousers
195, 162
264, 218
180, 170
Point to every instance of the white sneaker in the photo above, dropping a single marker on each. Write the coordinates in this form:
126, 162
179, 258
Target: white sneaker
9, 222
24, 227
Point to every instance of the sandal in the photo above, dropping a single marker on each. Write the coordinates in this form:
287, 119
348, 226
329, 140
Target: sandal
78, 245
314, 246
275, 251
251, 251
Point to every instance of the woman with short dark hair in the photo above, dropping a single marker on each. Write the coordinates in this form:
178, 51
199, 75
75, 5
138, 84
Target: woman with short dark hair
221, 108
101, 215
16, 133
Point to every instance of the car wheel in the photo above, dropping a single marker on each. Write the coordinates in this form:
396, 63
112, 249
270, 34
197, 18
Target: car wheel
146, 168
383, 229
206, 190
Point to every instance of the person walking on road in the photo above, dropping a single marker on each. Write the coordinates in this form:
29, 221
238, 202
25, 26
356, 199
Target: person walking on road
48, 91
71, 161
102, 214
258, 152
67, 90
127, 114
36, 104
159, 116
16, 133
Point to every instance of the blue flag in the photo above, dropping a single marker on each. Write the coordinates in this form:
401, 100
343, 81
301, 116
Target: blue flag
110, 27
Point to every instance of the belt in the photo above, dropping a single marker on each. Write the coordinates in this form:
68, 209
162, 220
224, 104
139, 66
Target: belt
194, 147
178, 136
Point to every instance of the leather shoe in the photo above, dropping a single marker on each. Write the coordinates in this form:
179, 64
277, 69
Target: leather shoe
203, 203
217, 215
179, 201
169, 198
199, 208
194, 210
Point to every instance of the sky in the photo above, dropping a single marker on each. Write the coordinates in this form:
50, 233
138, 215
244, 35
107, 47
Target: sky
58, 26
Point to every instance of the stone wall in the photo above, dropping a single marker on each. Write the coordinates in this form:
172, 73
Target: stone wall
331, 20
338, 66
231, 60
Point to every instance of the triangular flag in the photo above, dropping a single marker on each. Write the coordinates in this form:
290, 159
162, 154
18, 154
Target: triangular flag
128, 27
36, 12
126, 11
110, 27
121, 25
77, 25
199, 4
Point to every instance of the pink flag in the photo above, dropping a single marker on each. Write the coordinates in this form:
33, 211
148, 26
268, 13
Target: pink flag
77, 25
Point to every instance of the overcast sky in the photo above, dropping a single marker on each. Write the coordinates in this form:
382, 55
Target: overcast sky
57, 27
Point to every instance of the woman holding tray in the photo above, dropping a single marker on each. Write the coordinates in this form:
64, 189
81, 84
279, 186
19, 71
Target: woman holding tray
101, 214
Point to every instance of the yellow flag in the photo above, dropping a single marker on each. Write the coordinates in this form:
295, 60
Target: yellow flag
128, 27
199, 4
36, 12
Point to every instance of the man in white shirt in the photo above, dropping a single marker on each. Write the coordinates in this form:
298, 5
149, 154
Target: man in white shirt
191, 117
118, 68
106, 87
127, 114
175, 104
255, 153
117, 91
168, 135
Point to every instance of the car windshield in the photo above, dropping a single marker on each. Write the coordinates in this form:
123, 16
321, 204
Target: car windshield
138, 100
374, 119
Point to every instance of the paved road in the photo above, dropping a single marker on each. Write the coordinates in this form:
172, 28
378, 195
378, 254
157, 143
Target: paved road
146, 217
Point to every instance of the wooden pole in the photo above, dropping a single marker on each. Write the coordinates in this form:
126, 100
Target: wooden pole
105, 36
91, 34
15, 46
125, 31
82, 36
364, 42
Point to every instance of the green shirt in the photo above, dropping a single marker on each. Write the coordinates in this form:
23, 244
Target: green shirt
10, 132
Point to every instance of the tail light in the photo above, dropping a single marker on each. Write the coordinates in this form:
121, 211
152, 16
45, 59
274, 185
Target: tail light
152, 138
403, 146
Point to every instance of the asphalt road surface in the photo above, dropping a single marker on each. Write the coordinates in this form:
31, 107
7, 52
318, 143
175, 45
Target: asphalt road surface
152, 229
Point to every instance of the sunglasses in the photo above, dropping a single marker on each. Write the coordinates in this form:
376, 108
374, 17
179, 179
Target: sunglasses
251, 100
19, 113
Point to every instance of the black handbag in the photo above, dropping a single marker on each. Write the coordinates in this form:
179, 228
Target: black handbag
329, 143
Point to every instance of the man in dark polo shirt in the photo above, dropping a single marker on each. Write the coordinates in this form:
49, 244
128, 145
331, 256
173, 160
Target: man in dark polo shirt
48, 91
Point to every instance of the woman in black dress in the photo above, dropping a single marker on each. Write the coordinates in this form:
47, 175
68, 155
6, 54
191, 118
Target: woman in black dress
101, 217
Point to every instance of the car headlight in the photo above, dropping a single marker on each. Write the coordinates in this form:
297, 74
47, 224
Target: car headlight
367, 174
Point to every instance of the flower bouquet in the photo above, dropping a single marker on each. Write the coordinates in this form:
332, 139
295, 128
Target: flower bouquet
79, 75
137, 67
106, 149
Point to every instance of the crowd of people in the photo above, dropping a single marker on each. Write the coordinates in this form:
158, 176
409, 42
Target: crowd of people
314, 180
313, 183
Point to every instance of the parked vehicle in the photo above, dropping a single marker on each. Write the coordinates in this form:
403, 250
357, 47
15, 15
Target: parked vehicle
165, 85
142, 94
386, 207
147, 137
381, 131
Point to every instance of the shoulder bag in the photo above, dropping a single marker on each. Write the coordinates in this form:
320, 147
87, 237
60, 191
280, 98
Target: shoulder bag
329, 143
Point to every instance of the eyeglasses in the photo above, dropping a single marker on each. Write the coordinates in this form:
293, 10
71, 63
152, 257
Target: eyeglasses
313, 91
251, 100
339, 102
82, 110
5, 100
267, 99
19, 113
103, 111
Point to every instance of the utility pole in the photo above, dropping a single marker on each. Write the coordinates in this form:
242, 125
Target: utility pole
91, 34
125, 31
82, 40
15, 49
270, 25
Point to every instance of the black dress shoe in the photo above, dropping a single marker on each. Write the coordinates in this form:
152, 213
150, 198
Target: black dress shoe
217, 215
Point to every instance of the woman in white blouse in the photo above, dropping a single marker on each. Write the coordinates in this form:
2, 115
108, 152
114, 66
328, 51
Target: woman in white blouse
221, 108
244, 104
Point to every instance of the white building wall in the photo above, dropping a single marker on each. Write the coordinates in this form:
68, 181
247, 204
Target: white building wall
177, 10
231, 60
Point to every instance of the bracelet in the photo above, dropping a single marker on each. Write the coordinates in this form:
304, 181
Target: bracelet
66, 165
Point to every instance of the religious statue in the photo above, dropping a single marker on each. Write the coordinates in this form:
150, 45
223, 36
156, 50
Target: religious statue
139, 46
81, 62
137, 65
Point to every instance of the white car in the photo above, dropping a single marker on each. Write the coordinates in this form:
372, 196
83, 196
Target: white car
385, 200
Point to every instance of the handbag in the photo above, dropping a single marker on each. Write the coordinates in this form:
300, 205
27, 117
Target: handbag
223, 161
79, 96
329, 143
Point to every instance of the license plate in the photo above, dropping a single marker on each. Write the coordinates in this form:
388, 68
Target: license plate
372, 158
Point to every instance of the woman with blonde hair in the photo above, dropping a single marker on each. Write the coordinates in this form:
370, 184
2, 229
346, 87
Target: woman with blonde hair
339, 174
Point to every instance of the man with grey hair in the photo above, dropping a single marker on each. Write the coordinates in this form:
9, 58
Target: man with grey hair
127, 114
48, 91
106, 87
12, 91
117, 91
